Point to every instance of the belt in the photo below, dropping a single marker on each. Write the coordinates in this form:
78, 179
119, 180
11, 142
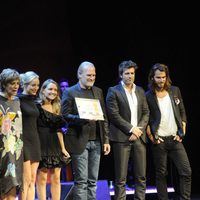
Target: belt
167, 137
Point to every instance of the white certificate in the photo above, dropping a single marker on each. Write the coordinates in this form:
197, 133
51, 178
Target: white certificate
89, 109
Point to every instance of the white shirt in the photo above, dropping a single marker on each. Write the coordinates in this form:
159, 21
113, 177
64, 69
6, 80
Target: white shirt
133, 104
168, 124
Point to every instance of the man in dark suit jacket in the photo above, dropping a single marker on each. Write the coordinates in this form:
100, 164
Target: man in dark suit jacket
128, 114
167, 127
85, 139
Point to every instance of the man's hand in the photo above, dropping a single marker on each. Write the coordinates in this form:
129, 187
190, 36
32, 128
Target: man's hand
177, 138
136, 133
106, 149
132, 137
159, 140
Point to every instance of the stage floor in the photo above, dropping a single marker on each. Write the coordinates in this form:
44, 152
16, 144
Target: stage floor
105, 191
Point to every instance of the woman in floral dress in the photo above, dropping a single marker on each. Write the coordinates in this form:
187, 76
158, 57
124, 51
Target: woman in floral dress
11, 144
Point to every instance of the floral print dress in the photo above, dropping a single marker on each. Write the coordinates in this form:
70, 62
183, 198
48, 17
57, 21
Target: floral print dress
11, 145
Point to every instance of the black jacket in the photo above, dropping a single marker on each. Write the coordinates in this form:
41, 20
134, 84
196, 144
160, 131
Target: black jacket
177, 105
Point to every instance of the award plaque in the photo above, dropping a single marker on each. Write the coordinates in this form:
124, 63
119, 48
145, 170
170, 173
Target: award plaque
89, 109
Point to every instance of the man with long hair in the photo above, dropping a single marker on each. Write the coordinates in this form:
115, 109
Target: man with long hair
167, 128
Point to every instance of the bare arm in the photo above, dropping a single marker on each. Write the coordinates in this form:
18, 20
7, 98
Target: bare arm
62, 145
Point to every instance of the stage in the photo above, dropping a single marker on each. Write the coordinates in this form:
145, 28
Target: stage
105, 191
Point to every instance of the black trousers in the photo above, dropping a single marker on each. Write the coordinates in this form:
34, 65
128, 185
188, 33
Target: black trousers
122, 152
176, 152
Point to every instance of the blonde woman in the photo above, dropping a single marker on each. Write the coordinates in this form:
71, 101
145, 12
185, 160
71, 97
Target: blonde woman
50, 123
11, 144
32, 154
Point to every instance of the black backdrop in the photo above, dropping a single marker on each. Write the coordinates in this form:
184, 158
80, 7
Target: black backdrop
53, 38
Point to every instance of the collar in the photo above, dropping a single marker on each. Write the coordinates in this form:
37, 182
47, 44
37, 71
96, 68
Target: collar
133, 86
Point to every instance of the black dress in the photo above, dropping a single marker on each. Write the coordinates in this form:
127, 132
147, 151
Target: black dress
30, 113
48, 126
11, 145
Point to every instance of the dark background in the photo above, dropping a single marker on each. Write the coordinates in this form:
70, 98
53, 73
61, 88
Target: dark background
53, 38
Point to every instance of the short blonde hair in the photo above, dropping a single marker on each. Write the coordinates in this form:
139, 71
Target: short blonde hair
27, 77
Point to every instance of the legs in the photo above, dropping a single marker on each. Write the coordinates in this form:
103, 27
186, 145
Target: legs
55, 184
139, 163
181, 161
41, 183
122, 152
86, 167
93, 169
11, 195
121, 156
176, 151
160, 162
29, 177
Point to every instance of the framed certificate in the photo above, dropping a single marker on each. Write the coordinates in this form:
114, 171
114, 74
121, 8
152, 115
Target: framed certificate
89, 109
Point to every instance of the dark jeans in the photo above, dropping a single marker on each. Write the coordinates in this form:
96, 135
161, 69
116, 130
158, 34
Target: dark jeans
176, 152
86, 169
122, 152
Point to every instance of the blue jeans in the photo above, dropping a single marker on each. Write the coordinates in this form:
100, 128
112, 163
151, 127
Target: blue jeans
86, 169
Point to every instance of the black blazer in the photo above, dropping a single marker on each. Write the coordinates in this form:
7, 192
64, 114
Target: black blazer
78, 129
119, 113
177, 105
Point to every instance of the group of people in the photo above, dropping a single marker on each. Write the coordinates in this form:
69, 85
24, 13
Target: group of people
31, 133
31, 140
158, 113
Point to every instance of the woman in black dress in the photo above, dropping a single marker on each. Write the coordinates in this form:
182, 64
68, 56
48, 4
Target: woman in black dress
32, 154
50, 123
11, 144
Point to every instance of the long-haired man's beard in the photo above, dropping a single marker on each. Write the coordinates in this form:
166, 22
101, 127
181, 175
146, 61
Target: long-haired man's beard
160, 85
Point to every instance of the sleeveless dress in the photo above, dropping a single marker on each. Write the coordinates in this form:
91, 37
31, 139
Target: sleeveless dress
11, 145
48, 125
31, 140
